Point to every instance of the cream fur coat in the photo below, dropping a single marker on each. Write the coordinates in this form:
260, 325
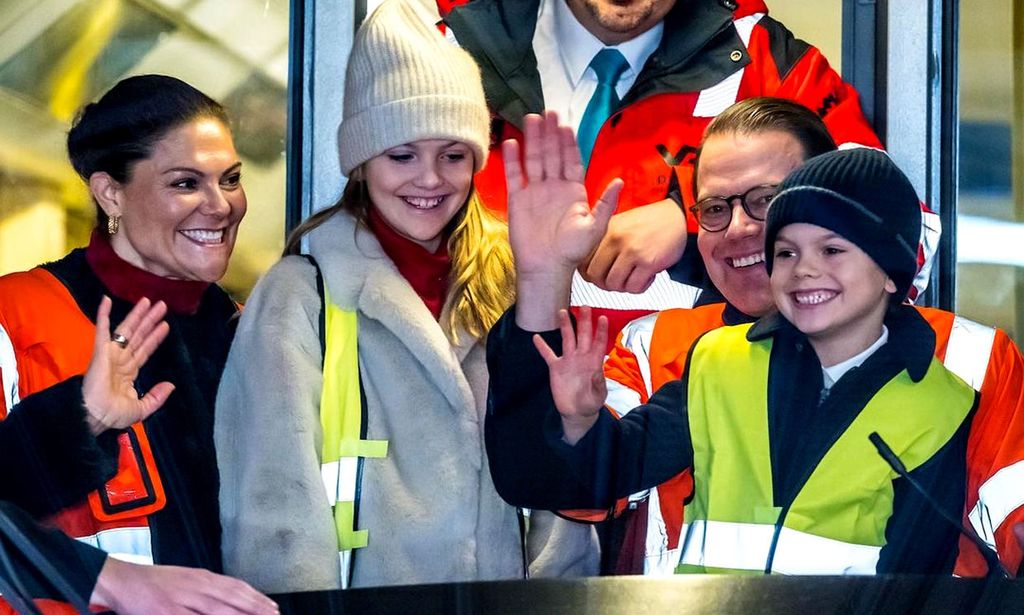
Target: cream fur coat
430, 507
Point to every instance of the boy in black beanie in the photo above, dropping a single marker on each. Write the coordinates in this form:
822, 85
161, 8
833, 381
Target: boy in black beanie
774, 417
841, 239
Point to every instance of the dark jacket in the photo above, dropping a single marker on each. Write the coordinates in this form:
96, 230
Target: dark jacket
651, 444
63, 462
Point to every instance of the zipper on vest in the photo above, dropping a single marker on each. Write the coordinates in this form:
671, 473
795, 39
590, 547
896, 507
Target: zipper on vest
521, 515
770, 561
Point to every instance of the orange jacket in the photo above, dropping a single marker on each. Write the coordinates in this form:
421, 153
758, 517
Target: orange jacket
987, 359
48, 340
699, 69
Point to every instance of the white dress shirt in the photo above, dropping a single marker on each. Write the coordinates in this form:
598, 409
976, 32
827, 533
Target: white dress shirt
832, 374
564, 49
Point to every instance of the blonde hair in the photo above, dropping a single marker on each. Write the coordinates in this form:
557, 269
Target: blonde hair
481, 285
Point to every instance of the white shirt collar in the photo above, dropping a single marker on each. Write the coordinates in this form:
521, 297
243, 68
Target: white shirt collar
837, 371
578, 46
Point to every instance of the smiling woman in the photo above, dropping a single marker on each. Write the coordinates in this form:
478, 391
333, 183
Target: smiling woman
162, 169
180, 210
417, 188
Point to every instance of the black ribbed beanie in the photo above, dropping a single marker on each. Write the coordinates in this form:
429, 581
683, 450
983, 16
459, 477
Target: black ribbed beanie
860, 194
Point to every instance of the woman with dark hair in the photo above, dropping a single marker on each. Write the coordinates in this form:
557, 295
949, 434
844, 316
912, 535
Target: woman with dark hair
161, 166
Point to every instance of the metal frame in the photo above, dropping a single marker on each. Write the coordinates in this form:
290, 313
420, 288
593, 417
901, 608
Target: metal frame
296, 139
321, 37
864, 52
908, 86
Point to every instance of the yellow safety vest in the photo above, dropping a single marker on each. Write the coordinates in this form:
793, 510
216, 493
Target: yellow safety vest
836, 524
342, 422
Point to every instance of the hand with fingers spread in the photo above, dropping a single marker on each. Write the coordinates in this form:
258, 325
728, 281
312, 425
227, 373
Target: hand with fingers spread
639, 244
132, 589
108, 389
577, 377
551, 225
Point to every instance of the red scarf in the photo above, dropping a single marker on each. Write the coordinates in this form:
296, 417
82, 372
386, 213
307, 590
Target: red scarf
427, 273
126, 281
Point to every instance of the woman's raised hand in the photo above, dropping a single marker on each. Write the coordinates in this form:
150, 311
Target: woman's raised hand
551, 225
108, 389
577, 377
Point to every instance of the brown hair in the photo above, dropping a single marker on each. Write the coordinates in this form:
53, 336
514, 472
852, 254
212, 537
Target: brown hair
768, 114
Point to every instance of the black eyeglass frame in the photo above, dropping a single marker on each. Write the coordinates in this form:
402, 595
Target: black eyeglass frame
695, 208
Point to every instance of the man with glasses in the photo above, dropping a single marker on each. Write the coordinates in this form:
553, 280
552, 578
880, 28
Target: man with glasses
677, 65
746, 151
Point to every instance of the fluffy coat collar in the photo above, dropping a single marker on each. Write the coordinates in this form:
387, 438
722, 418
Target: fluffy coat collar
359, 276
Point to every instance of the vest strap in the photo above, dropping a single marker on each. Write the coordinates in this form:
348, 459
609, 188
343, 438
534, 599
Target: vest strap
342, 409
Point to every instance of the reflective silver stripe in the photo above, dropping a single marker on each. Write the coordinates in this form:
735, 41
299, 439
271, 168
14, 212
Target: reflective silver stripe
723, 94
636, 338
620, 397
745, 546
129, 544
663, 294
803, 553
931, 232
1001, 494
969, 350
340, 479
659, 560
9, 367
345, 560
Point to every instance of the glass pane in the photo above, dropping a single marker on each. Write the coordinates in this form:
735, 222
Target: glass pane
55, 55
990, 235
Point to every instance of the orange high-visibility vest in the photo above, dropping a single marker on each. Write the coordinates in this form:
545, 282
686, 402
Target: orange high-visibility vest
48, 338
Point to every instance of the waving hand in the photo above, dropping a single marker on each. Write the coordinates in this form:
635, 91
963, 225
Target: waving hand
111, 401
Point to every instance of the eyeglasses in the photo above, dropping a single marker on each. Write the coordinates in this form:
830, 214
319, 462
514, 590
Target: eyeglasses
715, 212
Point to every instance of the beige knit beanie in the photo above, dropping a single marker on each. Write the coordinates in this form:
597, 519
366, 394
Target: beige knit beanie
406, 83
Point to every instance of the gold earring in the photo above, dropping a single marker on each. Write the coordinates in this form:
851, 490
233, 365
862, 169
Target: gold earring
113, 223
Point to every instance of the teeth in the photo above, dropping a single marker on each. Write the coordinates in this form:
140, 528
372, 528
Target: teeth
746, 261
814, 297
420, 202
204, 236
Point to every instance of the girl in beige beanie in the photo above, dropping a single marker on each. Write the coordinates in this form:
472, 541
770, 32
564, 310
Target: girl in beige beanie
365, 376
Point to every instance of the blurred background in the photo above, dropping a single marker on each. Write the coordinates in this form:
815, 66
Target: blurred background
57, 55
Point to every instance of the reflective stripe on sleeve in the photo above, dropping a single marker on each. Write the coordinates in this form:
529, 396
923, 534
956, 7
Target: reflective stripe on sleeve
8, 370
636, 338
621, 398
128, 544
969, 350
745, 546
998, 497
660, 561
663, 294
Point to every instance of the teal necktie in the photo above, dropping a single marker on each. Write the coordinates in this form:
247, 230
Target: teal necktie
609, 65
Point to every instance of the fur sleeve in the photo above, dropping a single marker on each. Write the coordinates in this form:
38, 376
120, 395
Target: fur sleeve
278, 532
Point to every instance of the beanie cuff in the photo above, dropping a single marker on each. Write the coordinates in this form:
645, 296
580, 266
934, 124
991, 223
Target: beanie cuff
379, 128
825, 208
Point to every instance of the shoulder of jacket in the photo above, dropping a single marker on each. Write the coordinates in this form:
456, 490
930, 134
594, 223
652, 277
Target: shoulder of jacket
36, 288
